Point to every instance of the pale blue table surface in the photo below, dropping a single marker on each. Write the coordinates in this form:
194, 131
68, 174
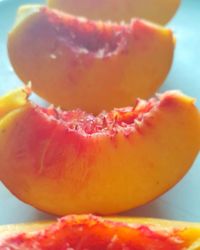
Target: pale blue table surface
183, 201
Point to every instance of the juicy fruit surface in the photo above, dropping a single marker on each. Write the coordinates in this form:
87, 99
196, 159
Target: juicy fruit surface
95, 233
117, 10
73, 162
77, 63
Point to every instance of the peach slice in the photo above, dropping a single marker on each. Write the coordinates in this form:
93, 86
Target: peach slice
13, 100
77, 63
159, 11
73, 162
95, 233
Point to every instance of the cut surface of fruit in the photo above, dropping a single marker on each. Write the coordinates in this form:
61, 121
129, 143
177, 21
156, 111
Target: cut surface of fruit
73, 162
117, 10
76, 63
94, 233
13, 100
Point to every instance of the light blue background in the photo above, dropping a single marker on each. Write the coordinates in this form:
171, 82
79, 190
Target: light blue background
183, 201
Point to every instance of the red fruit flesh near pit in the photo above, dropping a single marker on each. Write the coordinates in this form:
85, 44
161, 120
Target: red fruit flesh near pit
94, 233
85, 36
109, 123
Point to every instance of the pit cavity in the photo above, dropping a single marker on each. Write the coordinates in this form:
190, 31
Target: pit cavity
123, 120
100, 39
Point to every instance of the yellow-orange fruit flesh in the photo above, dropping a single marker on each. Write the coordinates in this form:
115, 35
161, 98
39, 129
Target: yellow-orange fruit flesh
73, 162
95, 66
94, 233
13, 100
118, 10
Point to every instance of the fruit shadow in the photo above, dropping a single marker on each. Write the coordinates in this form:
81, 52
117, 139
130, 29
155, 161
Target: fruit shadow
154, 209
42, 216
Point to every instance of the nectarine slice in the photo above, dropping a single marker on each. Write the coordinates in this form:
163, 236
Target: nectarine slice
96, 233
77, 63
159, 11
74, 162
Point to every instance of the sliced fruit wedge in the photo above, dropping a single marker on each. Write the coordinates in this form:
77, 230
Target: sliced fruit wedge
118, 10
77, 63
94, 233
74, 162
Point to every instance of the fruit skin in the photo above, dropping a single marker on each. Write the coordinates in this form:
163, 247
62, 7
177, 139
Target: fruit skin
92, 232
41, 50
64, 170
117, 10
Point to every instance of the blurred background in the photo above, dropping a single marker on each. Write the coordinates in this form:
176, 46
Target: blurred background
183, 201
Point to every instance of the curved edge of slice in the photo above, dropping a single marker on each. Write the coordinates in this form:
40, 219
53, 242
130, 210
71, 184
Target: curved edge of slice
155, 10
24, 11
